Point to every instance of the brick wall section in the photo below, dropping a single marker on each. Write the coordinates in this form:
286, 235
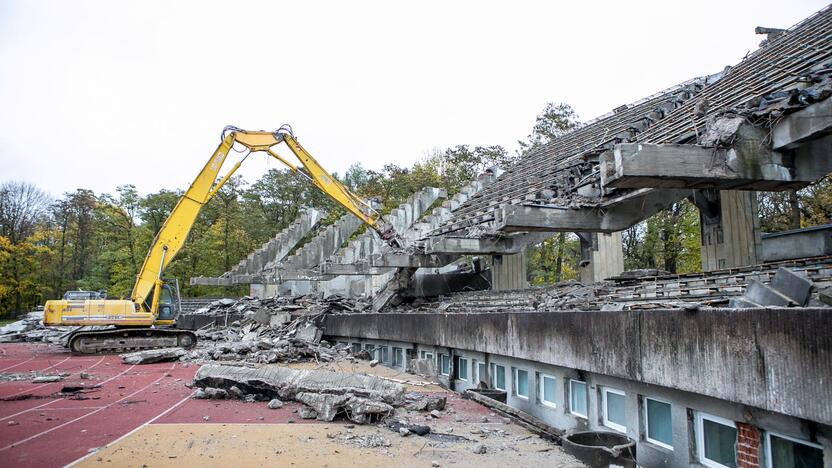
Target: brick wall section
748, 446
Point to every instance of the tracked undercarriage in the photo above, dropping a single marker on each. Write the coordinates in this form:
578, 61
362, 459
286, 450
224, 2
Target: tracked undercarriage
120, 340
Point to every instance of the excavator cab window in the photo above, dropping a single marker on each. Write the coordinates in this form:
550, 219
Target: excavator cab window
166, 304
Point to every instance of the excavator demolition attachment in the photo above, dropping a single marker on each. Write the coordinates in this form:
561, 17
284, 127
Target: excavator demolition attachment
147, 319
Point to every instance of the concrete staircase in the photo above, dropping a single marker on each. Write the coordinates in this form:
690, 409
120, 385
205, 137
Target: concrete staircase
269, 255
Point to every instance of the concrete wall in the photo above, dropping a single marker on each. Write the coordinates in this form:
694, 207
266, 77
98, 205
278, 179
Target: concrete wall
770, 358
798, 243
605, 256
809, 366
732, 239
509, 272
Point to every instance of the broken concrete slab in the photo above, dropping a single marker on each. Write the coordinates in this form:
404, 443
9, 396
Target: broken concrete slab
153, 355
362, 398
423, 367
759, 293
792, 285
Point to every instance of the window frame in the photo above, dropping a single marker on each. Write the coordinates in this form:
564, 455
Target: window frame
515, 372
385, 354
401, 354
770, 459
647, 423
494, 367
586, 398
604, 409
441, 357
700, 438
542, 392
480, 376
458, 374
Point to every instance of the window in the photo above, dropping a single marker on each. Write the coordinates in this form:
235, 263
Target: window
426, 355
385, 354
521, 383
658, 426
356, 347
578, 398
716, 441
498, 377
461, 366
612, 402
398, 357
481, 373
784, 451
445, 364
546, 392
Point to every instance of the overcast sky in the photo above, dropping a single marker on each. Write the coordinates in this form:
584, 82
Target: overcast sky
100, 94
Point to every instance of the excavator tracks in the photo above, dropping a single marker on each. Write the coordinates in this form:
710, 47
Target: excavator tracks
122, 340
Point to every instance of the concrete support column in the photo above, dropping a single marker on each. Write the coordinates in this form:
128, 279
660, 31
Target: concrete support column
508, 272
730, 228
602, 256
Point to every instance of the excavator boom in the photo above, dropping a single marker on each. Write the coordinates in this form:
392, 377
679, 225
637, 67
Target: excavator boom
142, 312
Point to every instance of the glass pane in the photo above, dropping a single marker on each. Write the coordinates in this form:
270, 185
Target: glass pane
577, 395
481, 372
501, 377
463, 369
786, 453
615, 409
522, 383
720, 442
659, 425
549, 389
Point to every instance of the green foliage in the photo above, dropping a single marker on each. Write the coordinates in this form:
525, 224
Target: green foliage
554, 260
668, 240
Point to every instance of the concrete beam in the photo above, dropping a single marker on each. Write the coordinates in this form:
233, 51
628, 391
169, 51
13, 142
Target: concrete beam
807, 124
381, 264
493, 246
748, 165
615, 215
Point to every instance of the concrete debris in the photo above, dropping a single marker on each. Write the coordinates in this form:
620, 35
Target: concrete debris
47, 379
479, 449
306, 412
787, 289
361, 398
275, 404
405, 428
31, 329
425, 402
151, 356
423, 367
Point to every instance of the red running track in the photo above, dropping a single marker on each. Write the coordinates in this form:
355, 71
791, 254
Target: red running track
40, 428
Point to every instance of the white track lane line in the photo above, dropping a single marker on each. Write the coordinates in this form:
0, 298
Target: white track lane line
59, 399
31, 389
84, 416
15, 365
175, 405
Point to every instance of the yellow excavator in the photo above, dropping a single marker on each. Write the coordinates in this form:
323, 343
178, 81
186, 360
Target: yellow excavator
147, 319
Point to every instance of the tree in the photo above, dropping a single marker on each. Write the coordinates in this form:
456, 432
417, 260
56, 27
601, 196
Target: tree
556, 120
23, 209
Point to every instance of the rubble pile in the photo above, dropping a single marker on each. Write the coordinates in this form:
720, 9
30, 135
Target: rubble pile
326, 394
259, 309
31, 329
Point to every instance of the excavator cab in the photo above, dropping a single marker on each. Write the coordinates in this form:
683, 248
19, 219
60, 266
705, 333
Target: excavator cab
169, 303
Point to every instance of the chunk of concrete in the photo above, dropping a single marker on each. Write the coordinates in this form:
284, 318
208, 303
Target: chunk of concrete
309, 333
280, 318
764, 295
792, 285
424, 367
362, 398
151, 356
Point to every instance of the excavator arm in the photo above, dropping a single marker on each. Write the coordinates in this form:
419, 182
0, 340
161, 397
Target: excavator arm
173, 233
